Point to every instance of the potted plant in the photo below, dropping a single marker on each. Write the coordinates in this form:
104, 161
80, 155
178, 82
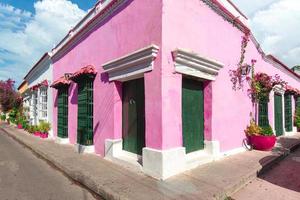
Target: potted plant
30, 129
3, 117
260, 138
25, 124
36, 131
297, 118
45, 128
19, 123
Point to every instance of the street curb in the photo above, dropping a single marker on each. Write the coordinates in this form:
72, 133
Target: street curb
257, 172
75, 176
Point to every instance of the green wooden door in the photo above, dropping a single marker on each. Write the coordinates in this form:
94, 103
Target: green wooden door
263, 118
133, 116
288, 112
192, 115
62, 117
278, 115
85, 112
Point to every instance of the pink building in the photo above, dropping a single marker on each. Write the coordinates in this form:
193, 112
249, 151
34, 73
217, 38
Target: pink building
149, 83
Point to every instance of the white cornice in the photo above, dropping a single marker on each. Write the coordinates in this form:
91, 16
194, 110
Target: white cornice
192, 64
132, 65
39, 66
279, 89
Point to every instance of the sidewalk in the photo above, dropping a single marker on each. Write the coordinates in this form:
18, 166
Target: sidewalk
215, 180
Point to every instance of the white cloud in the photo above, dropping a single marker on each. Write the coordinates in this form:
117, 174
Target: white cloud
25, 37
252, 6
278, 30
275, 23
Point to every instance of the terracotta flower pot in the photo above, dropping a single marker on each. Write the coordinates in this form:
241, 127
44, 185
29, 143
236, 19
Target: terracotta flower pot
262, 143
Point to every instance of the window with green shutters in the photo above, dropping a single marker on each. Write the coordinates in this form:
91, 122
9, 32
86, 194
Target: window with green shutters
62, 117
288, 112
85, 111
297, 102
263, 119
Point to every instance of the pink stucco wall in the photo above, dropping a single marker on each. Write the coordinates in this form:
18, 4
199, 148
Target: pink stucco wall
170, 24
192, 25
136, 25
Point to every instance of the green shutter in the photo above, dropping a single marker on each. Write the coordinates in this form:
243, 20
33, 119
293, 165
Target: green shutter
288, 112
278, 114
297, 98
263, 119
85, 112
62, 118
192, 115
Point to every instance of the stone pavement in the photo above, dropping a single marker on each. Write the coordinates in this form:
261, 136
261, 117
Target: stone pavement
282, 182
215, 180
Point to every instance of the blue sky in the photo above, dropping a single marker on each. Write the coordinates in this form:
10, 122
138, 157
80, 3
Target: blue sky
29, 28
28, 4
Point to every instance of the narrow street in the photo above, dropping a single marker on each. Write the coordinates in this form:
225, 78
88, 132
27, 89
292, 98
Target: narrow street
281, 182
23, 176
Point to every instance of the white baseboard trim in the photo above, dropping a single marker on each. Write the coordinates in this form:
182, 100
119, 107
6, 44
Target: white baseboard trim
84, 149
162, 164
231, 152
62, 140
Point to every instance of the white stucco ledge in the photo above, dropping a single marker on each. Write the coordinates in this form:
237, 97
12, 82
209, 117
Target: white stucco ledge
212, 147
113, 148
291, 133
62, 140
190, 63
162, 164
133, 65
84, 149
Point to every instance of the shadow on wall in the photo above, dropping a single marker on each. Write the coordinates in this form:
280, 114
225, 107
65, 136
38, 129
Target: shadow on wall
285, 174
56, 99
73, 87
104, 77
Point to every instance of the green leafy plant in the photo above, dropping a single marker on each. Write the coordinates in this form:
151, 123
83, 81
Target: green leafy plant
13, 115
253, 129
267, 131
44, 126
3, 117
297, 118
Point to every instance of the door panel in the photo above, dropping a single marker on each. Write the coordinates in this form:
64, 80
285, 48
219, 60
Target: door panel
133, 116
278, 115
192, 115
62, 118
288, 112
85, 112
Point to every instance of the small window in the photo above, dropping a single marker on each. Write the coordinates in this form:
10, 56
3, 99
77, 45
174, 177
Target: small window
43, 103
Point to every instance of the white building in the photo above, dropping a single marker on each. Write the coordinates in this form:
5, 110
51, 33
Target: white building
40, 99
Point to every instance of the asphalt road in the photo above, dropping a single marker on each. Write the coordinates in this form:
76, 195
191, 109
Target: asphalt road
23, 176
282, 182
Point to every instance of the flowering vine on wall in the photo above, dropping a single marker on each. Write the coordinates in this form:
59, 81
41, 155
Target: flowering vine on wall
260, 84
241, 74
